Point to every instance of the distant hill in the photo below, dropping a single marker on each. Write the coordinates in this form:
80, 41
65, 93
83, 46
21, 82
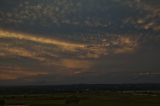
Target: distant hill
78, 87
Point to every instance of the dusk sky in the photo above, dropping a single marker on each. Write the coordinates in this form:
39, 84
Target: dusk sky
79, 41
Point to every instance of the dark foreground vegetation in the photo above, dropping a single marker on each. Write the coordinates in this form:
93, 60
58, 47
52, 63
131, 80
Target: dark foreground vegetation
84, 95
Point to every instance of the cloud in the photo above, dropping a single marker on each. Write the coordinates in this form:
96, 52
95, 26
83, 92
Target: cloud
58, 54
93, 50
18, 73
63, 44
150, 14
83, 39
76, 64
149, 74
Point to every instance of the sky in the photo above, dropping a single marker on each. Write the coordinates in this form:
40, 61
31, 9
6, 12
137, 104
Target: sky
47, 42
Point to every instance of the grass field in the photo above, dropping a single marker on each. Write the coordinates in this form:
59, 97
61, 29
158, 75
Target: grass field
85, 99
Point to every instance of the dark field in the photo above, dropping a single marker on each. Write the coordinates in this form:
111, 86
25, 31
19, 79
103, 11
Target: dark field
82, 95
104, 98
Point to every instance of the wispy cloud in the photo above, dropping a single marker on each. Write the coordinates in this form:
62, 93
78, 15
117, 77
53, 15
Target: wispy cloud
61, 54
72, 37
18, 73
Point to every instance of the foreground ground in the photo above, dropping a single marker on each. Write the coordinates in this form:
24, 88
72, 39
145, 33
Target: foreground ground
104, 98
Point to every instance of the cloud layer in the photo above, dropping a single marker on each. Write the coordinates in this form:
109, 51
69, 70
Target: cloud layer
72, 41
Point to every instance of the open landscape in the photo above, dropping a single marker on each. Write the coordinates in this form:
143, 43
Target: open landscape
79, 52
88, 96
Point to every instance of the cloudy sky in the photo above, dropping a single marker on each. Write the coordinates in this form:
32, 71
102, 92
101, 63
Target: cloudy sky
79, 41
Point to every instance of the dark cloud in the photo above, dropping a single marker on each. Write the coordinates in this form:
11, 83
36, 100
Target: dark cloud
79, 41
